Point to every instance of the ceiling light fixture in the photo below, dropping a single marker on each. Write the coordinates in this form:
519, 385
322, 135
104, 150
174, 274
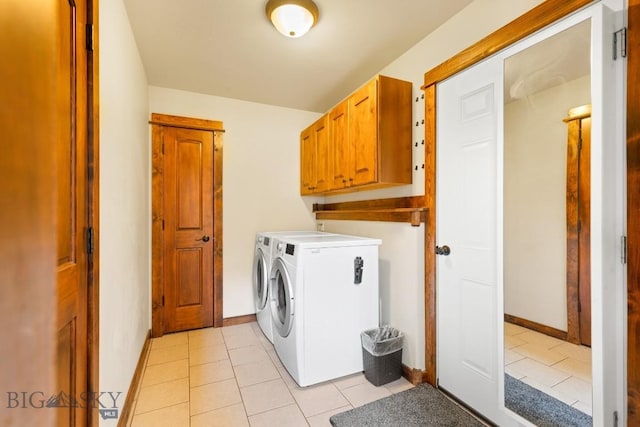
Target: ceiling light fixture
293, 18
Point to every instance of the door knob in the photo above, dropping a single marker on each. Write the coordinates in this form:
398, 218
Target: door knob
204, 238
443, 250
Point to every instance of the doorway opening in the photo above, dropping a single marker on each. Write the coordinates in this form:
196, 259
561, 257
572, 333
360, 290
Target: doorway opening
186, 223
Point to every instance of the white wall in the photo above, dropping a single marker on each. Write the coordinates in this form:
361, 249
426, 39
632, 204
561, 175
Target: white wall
261, 190
402, 250
125, 240
535, 221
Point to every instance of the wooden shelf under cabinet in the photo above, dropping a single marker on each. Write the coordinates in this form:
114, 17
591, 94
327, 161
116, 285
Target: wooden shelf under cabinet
403, 209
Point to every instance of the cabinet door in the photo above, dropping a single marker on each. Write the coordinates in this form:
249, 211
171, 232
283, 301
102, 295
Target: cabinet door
363, 129
339, 146
323, 164
307, 161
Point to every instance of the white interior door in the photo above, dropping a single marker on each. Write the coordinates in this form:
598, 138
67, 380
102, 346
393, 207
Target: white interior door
467, 123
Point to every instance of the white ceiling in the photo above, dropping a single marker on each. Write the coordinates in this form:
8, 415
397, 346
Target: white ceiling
228, 48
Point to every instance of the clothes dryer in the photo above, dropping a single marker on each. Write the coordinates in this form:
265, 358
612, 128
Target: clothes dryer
324, 293
262, 261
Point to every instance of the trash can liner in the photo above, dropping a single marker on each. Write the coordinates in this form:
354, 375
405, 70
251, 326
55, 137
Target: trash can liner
382, 341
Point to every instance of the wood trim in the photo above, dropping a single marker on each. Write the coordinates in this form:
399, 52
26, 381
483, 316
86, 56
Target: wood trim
158, 122
573, 240
218, 145
185, 122
537, 18
157, 252
239, 320
535, 326
430, 235
414, 216
126, 416
633, 214
93, 199
397, 202
401, 209
413, 375
577, 113
577, 203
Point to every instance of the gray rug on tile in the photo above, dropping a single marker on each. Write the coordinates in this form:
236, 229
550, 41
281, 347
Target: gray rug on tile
539, 408
417, 407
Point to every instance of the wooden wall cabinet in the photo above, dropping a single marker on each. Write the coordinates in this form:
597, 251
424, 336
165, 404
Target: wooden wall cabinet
368, 143
314, 157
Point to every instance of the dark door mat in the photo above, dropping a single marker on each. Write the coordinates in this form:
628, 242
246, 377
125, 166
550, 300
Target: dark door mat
420, 406
540, 408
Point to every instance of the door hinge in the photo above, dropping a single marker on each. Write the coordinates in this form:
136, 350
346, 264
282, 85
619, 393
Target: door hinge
90, 240
615, 418
163, 300
162, 147
623, 244
620, 39
163, 224
89, 37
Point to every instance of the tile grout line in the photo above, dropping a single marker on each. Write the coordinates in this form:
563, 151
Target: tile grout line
280, 378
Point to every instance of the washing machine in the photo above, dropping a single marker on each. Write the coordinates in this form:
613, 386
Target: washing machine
262, 260
323, 294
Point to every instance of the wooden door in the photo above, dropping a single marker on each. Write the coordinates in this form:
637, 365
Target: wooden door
188, 228
579, 225
339, 146
363, 132
307, 161
73, 224
321, 140
43, 123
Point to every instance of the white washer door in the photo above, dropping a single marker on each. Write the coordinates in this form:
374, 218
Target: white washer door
281, 298
260, 280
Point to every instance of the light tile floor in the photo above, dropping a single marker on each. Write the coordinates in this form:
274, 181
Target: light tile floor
231, 376
558, 368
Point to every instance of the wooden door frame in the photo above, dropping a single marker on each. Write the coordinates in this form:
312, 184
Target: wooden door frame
633, 213
158, 121
93, 199
574, 266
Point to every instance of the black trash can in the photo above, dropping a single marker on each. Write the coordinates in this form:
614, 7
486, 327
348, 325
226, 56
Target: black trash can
382, 354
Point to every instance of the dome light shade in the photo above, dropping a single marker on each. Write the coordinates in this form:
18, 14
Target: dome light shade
292, 18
